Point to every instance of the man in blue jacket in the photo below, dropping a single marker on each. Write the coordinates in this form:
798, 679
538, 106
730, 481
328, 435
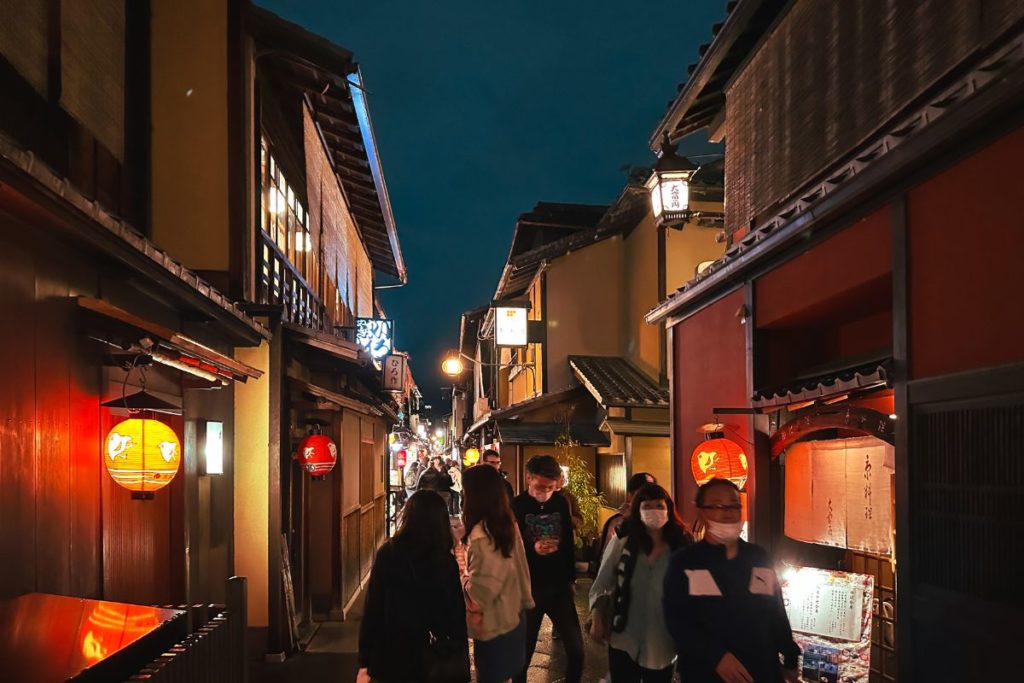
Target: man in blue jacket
722, 601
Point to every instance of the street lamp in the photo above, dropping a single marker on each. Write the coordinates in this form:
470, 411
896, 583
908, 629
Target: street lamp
669, 185
452, 365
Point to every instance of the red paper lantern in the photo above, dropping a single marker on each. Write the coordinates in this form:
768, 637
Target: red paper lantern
400, 458
317, 454
719, 458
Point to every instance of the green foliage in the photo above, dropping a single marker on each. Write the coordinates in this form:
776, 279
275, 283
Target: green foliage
582, 486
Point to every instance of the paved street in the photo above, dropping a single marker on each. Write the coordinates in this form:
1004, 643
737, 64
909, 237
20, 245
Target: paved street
331, 655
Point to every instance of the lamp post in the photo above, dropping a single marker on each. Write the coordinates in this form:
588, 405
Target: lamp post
669, 186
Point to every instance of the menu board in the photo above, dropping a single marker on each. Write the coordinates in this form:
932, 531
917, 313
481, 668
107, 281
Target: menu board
830, 613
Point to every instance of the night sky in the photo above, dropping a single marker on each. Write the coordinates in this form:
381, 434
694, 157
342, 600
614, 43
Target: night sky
483, 109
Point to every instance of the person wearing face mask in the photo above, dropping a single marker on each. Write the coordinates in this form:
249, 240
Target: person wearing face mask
626, 595
545, 523
722, 602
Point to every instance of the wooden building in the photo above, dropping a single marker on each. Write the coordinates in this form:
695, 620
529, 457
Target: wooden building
874, 238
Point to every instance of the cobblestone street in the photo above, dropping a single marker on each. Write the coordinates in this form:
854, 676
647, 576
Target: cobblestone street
332, 654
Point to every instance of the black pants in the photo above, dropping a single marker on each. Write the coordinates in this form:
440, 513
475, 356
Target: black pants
624, 670
561, 609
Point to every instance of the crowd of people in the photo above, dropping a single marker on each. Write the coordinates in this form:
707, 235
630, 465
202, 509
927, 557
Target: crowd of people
661, 601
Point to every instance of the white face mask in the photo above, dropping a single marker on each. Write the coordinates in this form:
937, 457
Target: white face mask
724, 532
654, 519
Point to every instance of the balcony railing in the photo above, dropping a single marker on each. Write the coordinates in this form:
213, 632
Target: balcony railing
280, 283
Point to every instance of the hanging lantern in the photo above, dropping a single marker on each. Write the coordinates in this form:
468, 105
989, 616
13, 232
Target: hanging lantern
718, 457
472, 456
401, 458
317, 455
669, 186
142, 455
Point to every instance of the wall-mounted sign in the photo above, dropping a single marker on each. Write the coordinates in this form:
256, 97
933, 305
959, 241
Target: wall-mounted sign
394, 373
376, 335
510, 325
830, 613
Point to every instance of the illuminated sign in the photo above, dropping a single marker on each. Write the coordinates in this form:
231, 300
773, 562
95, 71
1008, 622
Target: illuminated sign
376, 335
213, 449
510, 326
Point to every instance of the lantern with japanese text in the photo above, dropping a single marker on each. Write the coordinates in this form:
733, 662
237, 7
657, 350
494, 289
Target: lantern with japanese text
317, 455
720, 458
142, 455
669, 186
401, 458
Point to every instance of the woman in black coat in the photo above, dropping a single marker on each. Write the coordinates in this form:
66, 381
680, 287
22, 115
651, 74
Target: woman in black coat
414, 592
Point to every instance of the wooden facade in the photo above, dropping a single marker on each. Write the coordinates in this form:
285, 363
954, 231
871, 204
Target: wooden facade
851, 219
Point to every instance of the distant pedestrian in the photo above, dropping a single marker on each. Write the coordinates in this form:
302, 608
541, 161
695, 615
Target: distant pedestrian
414, 620
455, 474
493, 458
546, 525
436, 479
722, 601
626, 595
497, 578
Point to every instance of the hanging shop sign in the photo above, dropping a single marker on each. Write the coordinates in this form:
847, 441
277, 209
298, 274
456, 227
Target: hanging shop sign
376, 335
394, 372
839, 492
510, 326
142, 455
317, 455
719, 458
830, 613
863, 420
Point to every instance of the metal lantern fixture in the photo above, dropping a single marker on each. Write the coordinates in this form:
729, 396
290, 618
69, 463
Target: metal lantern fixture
669, 185
317, 455
142, 455
718, 457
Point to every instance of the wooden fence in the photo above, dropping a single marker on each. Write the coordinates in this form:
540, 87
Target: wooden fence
214, 649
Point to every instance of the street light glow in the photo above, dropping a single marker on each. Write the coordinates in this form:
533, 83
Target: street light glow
452, 365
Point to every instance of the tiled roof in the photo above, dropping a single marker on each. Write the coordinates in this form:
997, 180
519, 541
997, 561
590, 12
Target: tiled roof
703, 94
547, 433
866, 376
616, 383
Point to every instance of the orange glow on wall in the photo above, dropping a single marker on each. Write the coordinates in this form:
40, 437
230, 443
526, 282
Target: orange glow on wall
142, 454
721, 459
110, 627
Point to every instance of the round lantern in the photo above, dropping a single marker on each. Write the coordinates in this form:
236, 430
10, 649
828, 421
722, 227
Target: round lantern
719, 458
142, 455
317, 454
472, 456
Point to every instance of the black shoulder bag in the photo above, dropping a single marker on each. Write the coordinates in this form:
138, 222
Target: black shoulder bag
445, 659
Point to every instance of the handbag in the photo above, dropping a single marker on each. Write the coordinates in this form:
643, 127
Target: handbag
445, 659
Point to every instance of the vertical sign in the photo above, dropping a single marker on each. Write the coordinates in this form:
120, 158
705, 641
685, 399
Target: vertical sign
394, 373
376, 335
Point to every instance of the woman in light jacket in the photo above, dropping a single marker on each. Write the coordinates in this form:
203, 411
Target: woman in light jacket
497, 578
626, 595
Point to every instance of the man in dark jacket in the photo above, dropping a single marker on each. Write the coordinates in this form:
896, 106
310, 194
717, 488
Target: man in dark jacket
493, 458
546, 526
722, 602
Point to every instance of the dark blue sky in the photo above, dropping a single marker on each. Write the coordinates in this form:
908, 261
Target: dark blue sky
481, 109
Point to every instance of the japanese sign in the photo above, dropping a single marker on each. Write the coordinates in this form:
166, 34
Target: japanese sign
394, 373
838, 493
376, 335
830, 613
510, 326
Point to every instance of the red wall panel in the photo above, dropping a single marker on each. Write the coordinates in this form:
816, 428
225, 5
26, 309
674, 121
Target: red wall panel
966, 240
709, 371
803, 287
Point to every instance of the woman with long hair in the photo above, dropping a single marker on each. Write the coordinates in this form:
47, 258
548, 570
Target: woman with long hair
414, 625
497, 578
626, 595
